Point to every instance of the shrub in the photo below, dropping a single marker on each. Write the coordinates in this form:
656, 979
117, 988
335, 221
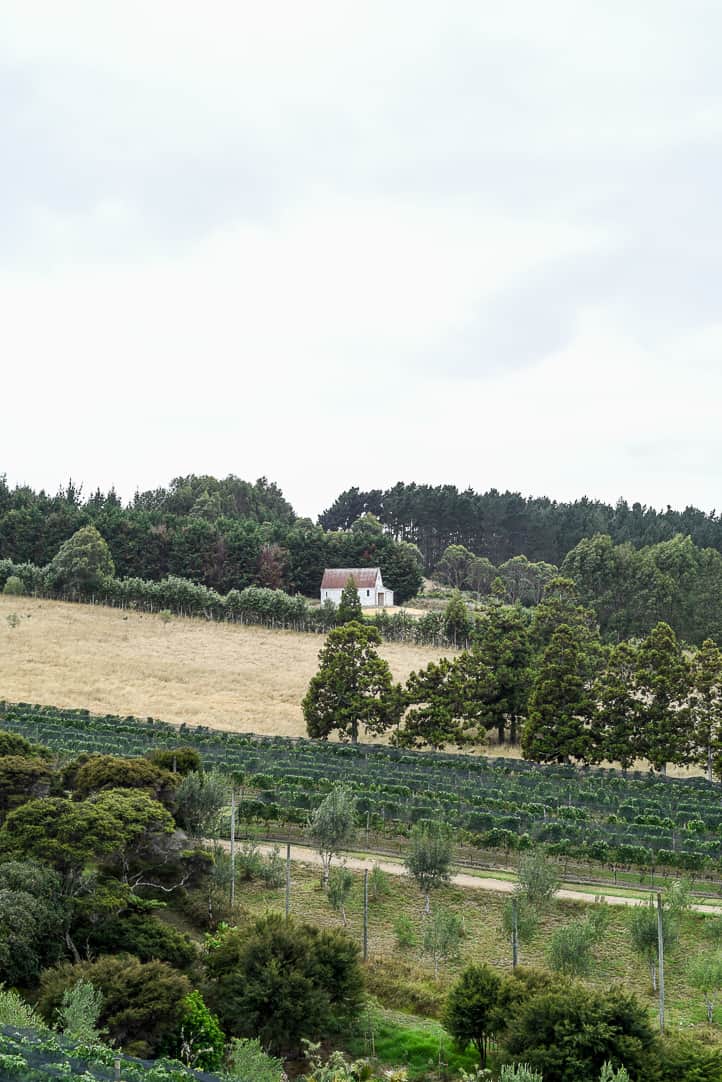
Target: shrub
141, 1000
14, 587
201, 1042
79, 1011
247, 1062
405, 934
14, 1011
282, 981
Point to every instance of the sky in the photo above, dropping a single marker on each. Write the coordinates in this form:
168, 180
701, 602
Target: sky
338, 243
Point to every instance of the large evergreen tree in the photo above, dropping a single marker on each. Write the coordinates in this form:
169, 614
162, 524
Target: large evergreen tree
560, 706
662, 682
615, 726
706, 705
502, 645
353, 686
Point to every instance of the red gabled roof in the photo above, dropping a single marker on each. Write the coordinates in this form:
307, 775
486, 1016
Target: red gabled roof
335, 578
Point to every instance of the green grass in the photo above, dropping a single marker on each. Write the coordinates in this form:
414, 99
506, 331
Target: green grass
484, 941
404, 1040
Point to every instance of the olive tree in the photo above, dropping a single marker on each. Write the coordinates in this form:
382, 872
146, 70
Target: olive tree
429, 858
332, 827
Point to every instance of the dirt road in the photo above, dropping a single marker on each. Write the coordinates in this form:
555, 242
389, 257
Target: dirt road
304, 855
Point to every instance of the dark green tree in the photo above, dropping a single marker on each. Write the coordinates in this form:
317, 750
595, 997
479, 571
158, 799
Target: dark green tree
349, 607
615, 725
282, 982
706, 706
662, 683
445, 703
457, 620
567, 1033
470, 1013
560, 705
352, 688
142, 1001
502, 644
83, 563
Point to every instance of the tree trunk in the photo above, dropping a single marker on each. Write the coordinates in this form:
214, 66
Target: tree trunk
653, 975
71, 947
710, 1007
500, 732
709, 762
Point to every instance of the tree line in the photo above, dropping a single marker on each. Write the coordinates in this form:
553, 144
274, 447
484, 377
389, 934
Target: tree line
499, 525
225, 535
549, 681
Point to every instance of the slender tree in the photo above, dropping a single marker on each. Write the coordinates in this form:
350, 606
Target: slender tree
349, 607
332, 827
429, 858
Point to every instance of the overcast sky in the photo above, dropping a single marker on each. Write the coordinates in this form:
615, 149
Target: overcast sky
350, 243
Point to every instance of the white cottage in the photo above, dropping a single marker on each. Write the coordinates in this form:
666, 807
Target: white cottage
371, 590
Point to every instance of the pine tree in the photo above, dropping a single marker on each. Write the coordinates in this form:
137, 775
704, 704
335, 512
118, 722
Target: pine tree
349, 607
560, 705
502, 645
706, 705
662, 683
615, 728
352, 687
447, 703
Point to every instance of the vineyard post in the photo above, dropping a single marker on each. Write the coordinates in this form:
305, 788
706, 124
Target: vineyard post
366, 914
288, 879
233, 845
660, 948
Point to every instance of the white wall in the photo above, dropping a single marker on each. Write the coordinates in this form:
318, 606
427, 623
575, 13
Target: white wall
367, 596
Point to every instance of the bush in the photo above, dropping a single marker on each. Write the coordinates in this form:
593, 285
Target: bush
79, 1011
142, 935
281, 981
406, 937
141, 1000
200, 1044
14, 587
14, 1011
247, 1062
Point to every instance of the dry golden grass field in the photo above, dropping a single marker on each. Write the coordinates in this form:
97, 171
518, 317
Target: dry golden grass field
108, 661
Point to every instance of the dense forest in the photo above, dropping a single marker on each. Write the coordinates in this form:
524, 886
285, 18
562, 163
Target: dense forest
500, 525
226, 534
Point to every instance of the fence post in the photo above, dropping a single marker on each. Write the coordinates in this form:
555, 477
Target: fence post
660, 950
288, 879
366, 914
514, 933
233, 845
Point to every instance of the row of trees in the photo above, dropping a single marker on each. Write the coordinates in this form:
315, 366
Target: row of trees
221, 534
553, 682
499, 525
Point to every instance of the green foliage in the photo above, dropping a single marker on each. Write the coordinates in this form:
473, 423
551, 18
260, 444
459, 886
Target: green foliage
199, 799
568, 1033
379, 885
683, 1058
340, 882
83, 562
332, 826
22, 779
32, 919
560, 705
644, 933
349, 607
140, 934
429, 857
610, 1074
79, 1011
521, 1072
13, 620
14, 586
353, 686
282, 981
141, 1000
443, 931
247, 1062
201, 1043
527, 920
539, 879
448, 703
14, 1011
704, 972
180, 760
470, 1014
662, 681
405, 932
457, 620
101, 772
571, 946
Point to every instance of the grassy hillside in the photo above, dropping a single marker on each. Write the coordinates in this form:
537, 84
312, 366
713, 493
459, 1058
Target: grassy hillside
109, 661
